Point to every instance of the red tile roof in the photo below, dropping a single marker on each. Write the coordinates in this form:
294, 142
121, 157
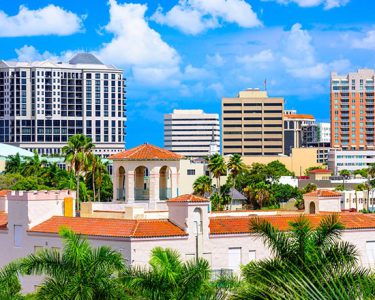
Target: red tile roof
188, 198
146, 152
3, 220
111, 227
320, 171
3, 193
299, 116
323, 193
238, 225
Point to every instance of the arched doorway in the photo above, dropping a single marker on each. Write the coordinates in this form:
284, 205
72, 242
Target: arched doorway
121, 184
165, 185
312, 208
142, 184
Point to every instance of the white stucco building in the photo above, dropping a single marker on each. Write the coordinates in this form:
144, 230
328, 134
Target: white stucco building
350, 159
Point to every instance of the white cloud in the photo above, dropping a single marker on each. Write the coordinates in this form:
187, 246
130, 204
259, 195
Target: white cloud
193, 73
30, 53
215, 60
368, 42
196, 16
50, 20
328, 4
260, 58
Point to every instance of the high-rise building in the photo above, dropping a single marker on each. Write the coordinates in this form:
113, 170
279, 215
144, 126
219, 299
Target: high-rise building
294, 128
190, 132
42, 104
352, 110
252, 124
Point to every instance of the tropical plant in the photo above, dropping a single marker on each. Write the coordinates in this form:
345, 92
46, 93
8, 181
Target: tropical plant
33, 165
262, 195
168, 277
218, 168
78, 271
13, 164
100, 172
316, 255
10, 287
76, 155
235, 166
202, 186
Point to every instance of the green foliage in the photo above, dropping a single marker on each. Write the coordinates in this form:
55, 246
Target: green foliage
339, 187
361, 172
278, 169
8, 180
10, 287
216, 202
284, 192
202, 186
78, 271
217, 167
305, 264
345, 173
310, 187
30, 183
169, 277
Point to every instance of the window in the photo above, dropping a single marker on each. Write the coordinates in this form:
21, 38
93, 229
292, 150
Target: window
234, 258
370, 250
252, 255
190, 172
18, 235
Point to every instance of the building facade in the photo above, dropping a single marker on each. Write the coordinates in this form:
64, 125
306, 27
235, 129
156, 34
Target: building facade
293, 129
42, 104
252, 124
350, 159
352, 110
191, 133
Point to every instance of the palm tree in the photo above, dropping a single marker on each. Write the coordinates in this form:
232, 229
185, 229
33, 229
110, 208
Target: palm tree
101, 170
202, 186
33, 165
76, 155
78, 271
262, 194
13, 164
168, 277
217, 167
345, 175
318, 254
235, 166
10, 287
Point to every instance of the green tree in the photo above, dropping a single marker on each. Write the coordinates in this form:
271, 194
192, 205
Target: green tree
33, 165
13, 164
10, 287
262, 194
30, 183
278, 169
202, 186
310, 187
284, 192
78, 271
100, 172
168, 277
318, 254
76, 155
307, 171
8, 180
218, 168
235, 166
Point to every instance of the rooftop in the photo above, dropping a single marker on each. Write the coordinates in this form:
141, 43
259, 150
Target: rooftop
323, 193
3, 193
111, 227
320, 171
188, 198
299, 116
85, 59
7, 150
3, 220
146, 152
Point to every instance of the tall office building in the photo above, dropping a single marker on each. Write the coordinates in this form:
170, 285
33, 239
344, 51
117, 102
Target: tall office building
294, 128
42, 104
252, 124
352, 110
191, 132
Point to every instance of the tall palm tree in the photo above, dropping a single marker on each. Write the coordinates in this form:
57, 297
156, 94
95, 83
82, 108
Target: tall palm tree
345, 175
235, 166
76, 155
262, 194
100, 172
317, 253
202, 186
78, 271
13, 164
217, 167
168, 277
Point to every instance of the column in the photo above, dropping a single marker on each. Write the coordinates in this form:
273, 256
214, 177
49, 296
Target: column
115, 180
154, 186
174, 183
129, 186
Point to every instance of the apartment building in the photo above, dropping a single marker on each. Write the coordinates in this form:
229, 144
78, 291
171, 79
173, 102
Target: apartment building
352, 110
350, 159
318, 136
191, 133
252, 124
293, 129
42, 104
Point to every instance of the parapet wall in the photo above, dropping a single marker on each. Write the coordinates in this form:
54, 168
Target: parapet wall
40, 195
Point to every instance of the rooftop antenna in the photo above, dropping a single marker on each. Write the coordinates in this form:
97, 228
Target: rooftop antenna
265, 84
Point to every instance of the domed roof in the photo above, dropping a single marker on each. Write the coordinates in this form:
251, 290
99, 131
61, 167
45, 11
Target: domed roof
6, 150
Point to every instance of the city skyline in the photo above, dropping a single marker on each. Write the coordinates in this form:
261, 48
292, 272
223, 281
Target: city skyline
175, 64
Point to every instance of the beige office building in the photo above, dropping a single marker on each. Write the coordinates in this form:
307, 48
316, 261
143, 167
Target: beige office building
252, 124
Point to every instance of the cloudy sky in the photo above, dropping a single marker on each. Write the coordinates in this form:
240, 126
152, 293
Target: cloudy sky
190, 53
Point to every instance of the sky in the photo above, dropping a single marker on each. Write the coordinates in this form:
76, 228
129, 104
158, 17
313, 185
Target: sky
188, 54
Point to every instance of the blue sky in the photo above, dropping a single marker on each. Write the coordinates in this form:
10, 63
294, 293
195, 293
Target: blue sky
190, 53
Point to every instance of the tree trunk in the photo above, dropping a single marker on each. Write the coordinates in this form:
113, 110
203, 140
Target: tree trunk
93, 184
77, 196
99, 189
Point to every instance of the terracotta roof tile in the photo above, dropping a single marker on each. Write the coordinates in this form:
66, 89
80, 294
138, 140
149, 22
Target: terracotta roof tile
146, 152
320, 171
188, 198
3, 220
3, 193
299, 116
111, 227
323, 193
237, 225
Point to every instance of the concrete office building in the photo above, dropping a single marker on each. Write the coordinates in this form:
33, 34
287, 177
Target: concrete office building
352, 110
349, 159
42, 104
191, 132
252, 124
318, 136
293, 129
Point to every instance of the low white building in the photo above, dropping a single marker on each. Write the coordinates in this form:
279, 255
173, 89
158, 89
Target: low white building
33, 219
349, 159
